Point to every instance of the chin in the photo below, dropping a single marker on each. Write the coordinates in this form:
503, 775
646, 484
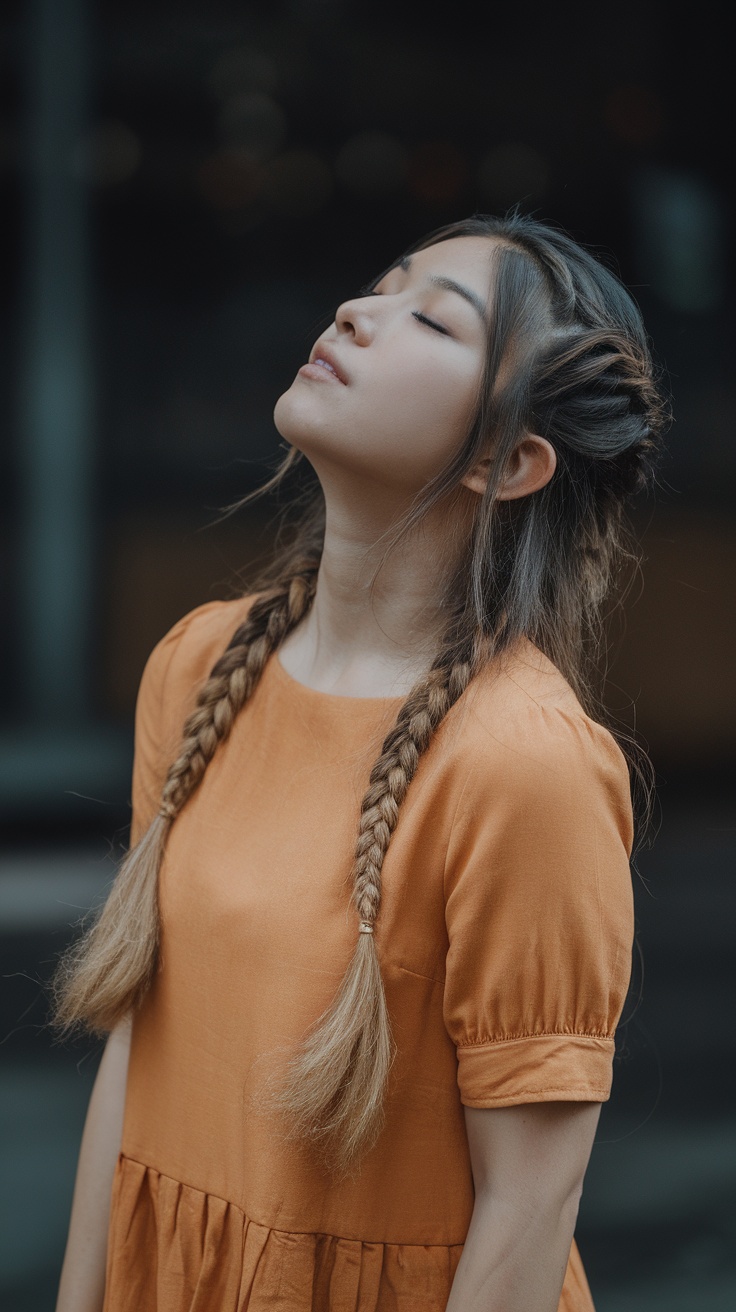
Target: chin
297, 422
286, 416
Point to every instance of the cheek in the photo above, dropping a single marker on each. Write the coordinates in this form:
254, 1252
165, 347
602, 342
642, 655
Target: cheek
398, 424
426, 413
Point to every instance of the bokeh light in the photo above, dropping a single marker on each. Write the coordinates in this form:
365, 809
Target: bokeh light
254, 122
372, 164
229, 179
512, 172
437, 172
296, 184
682, 236
108, 155
634, 115
240, 69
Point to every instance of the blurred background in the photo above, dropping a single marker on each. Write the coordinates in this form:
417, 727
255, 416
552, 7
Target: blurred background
187, 192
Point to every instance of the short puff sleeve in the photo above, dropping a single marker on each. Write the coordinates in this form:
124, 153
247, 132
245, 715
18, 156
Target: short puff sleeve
539, 913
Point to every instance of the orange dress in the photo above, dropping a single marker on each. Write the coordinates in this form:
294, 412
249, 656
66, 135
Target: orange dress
504, 936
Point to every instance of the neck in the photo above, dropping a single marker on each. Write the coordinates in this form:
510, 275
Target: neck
375, 641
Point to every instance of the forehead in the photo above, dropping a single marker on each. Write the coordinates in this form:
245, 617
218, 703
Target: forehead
467, 259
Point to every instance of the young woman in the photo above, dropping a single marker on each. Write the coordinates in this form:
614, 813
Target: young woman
374, 931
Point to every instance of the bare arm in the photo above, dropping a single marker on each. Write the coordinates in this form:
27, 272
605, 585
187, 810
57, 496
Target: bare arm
82, 1285
528, 1165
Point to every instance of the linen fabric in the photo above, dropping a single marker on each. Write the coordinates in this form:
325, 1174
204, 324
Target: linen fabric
504, 937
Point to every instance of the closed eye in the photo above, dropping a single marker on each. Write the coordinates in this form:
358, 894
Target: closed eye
422, 318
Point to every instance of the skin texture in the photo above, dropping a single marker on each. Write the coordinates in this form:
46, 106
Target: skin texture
528, 1165
82, 1284
410, 390
374, 440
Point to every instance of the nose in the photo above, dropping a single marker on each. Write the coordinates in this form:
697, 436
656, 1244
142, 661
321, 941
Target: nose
354, 317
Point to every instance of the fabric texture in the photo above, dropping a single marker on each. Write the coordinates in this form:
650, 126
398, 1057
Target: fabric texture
504, 936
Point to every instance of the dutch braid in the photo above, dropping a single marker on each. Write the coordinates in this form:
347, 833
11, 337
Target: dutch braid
106, 973
232, 681
394, 770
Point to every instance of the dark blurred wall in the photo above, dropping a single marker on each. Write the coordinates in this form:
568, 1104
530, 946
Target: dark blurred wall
234, 173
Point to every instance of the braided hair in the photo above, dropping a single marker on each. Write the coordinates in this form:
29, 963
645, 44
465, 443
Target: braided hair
106, 974
576, 369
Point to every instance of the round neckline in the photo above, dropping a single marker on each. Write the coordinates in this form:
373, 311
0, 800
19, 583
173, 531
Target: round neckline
333, 697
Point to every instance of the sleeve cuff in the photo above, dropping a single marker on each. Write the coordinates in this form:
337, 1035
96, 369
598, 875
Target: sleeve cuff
536, 1068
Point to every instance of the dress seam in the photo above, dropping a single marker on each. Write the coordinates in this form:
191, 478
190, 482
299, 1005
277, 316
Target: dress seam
208, 1193
541, 1034
547, 1088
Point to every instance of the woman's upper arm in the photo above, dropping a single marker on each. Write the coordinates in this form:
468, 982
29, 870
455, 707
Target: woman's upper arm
118, 1040
539, 915
531, 1152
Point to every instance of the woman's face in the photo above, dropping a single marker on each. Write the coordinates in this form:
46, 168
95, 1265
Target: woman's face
391, 388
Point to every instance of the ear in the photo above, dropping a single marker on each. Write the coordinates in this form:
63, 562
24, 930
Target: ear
532, 464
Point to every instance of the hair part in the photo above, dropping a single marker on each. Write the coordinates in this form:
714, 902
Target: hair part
567, 358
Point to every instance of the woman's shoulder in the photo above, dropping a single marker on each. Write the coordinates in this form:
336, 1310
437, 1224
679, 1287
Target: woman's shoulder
182, 659
174, 672
200, 636
524, 727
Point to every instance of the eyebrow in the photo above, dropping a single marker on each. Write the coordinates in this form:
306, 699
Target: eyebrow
449, 285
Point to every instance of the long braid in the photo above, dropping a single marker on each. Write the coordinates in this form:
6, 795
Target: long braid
334, 1087
106, 973
422, 712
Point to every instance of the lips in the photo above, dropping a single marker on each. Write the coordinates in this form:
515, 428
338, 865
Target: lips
323, 358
